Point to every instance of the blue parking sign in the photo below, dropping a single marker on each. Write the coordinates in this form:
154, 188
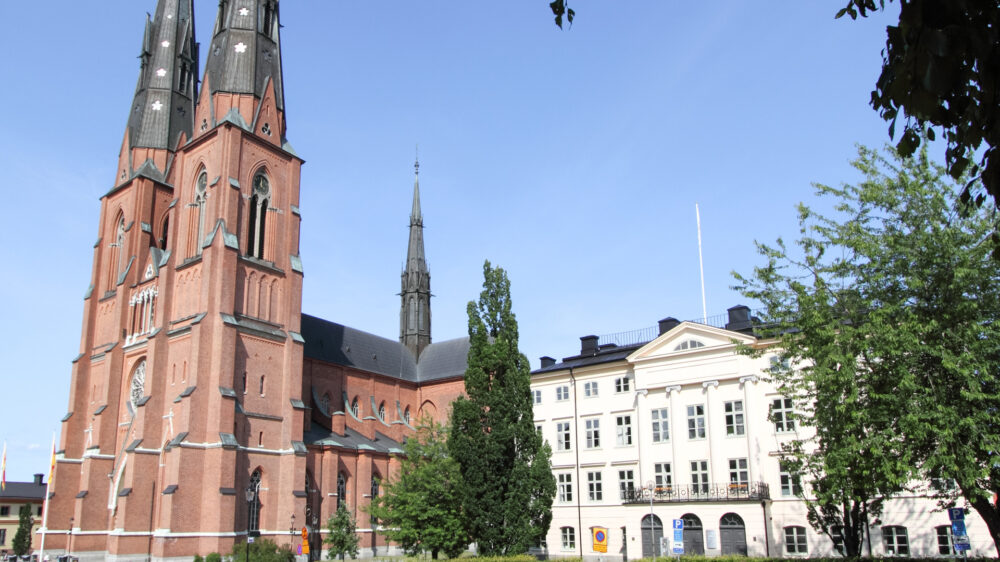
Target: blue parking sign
958, 529
956, 514
679, 524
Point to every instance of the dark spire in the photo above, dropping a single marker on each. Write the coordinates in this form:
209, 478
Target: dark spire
415, 305
246, 49
165, 95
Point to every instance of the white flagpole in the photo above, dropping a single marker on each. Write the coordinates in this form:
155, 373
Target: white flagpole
701, 266
45, 505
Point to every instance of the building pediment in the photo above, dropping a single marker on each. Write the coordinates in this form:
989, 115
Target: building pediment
690, 338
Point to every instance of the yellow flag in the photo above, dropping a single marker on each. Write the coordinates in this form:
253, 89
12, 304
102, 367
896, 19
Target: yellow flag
3, 469
52, 463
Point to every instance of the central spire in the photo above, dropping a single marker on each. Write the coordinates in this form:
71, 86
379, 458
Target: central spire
415, 306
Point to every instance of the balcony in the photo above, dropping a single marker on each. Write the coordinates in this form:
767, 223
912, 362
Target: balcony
715, 492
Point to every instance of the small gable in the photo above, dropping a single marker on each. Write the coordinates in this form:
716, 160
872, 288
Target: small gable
689, 338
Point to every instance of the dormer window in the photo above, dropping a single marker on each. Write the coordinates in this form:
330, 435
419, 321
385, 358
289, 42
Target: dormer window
258, 216
267, 22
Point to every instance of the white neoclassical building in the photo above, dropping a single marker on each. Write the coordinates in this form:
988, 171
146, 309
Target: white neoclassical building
672, 423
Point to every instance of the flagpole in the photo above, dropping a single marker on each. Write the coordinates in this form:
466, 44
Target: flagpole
701, 266
45, 506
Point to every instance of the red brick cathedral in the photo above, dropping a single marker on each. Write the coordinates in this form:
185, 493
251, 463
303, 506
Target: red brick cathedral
203, 403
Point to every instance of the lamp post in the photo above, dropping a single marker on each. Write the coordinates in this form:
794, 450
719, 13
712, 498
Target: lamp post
251, 493
652, 526
69, 540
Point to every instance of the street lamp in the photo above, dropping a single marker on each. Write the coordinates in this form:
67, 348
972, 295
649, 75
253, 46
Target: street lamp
251, 493
291, 525
652, 526
69, 541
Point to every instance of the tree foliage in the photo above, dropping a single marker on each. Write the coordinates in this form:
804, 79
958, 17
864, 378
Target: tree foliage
941, 67
504, 463
341, 539
888, 315
421, 508
22, 538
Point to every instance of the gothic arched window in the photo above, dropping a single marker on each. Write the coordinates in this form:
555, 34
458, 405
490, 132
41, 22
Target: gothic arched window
117, 251
413, 314
200, 196
375, 483
341, 489
381, 411
254, 515
258, 215
164, 232
137, 386
355, 408
406, 415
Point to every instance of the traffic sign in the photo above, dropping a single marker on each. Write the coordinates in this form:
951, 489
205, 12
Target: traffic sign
956, 514
305, 533
958, 529
250, 540
679, 524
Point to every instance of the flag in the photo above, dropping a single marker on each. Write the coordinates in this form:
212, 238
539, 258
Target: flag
52, 463
3, 469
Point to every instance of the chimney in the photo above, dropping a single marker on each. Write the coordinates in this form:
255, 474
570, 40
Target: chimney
38, 479
739, 319
668, 324
588, 345
547, 361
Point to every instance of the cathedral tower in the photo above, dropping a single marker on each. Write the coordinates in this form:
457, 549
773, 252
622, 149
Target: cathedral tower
415, 305
187, 391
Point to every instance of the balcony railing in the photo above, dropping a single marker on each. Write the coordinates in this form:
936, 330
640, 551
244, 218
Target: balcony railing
715, 492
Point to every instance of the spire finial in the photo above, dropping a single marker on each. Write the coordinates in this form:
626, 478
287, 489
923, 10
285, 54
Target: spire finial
416, 162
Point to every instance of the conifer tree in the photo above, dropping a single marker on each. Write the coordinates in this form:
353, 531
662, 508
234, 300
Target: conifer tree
22, 538
504, 463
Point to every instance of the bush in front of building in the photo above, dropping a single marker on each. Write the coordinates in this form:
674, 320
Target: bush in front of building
262, 550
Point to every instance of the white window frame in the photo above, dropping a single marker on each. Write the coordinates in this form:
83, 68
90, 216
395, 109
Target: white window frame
622, 384
739, 473
595, 487
696, 421
626, 482
699, 486
796, 540
562, 393
895, 540
661, 425
536, 396
783, 414
568, 537
564, 436
735, 418
623, 431
593, 428
565, 487
664, 476
590, 389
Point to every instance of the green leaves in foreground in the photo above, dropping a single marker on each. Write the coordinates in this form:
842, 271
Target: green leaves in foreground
887, 311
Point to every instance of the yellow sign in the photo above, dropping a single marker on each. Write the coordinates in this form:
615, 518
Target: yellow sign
305, 534
600, 539
305, 547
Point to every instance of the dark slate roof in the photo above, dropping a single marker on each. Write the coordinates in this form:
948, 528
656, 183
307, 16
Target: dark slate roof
242, 59
606, 354
443, 360
23, 491
343, 345
351, 440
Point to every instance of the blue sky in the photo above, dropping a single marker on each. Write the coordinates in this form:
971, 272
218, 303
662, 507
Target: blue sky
573, 159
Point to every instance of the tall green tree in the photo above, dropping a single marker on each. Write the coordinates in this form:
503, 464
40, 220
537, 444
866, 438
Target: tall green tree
504, 463
22, 538
421, 508
941, 68
888, 314
341, 538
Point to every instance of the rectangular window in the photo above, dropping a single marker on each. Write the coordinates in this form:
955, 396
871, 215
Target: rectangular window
734, 418
568, 538
739, 476
661, 427
563, 438
795, 540
791, 484
536, 396
623, 428
590, 389
837, 533
594, 489
622, 384
3, 536
946, 547
565, 487
664, 477
895, 541
4, 510
562, 393
699, 477
696, 421
593, 426
781, 413
626, 484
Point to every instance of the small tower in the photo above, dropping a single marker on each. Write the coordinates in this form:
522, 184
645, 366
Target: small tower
415, 304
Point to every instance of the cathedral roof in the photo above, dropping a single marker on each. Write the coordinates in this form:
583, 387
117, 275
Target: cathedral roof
351, 439
350, 347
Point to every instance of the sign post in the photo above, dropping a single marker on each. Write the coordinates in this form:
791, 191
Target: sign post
678, 542
959, 534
